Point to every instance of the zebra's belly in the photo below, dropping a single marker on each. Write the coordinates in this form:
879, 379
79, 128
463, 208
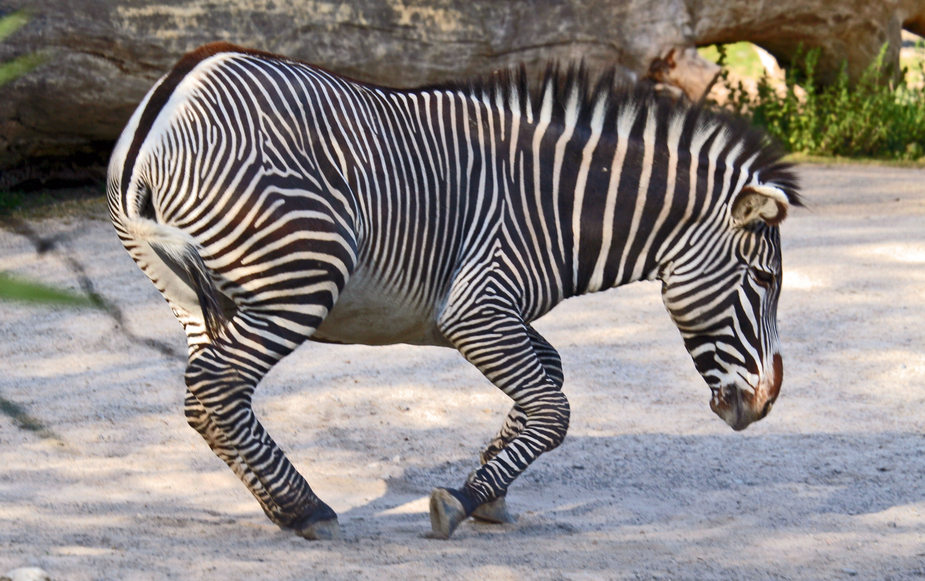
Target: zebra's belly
366, 313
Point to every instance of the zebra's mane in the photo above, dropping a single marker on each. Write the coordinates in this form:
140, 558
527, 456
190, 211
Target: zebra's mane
568, 91
571, 90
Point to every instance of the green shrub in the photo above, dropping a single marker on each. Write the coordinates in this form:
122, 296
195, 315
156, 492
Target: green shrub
874, 117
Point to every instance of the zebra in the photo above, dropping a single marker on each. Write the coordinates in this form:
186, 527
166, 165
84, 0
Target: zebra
273, 202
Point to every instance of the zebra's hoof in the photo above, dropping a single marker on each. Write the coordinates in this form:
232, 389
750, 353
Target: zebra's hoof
322, 530
320, 525
494, 511
446, 512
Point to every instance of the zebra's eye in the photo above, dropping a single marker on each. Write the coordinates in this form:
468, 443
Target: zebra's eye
763, 277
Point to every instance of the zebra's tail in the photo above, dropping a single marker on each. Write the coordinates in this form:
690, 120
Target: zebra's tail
170, 257
179, 252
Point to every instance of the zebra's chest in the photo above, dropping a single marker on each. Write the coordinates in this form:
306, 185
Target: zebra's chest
370, 313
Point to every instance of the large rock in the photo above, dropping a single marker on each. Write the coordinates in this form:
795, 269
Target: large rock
103, 55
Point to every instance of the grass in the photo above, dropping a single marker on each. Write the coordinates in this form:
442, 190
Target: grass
84, 203
10, 202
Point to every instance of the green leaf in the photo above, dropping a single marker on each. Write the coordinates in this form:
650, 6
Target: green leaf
13, 288
12, 22
12, 70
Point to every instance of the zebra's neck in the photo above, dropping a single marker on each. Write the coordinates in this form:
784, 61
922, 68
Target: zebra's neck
603, 193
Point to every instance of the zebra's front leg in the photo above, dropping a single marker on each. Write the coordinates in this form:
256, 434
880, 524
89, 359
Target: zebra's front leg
218, 406
496, 511
499, 344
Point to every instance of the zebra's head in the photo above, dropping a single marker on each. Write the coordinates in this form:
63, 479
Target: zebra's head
721, 290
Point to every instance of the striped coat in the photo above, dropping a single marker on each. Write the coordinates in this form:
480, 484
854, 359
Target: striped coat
273, 202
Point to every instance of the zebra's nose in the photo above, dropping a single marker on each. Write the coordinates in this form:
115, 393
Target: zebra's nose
743, 414
735, 406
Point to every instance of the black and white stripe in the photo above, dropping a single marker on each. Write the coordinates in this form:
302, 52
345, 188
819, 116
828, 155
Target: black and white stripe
273, 202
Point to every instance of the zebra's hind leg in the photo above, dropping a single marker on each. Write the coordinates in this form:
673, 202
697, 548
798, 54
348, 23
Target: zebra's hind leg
496, 511
499, 343
218, 406
322, 523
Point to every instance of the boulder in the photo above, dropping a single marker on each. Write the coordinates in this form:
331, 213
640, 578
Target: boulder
101, 56
26, 574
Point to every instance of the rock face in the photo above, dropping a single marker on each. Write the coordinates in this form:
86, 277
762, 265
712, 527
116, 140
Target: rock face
103, 55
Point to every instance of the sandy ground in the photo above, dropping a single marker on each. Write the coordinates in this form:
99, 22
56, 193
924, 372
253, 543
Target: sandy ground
648, 485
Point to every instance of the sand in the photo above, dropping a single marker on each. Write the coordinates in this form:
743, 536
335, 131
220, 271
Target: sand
112, 484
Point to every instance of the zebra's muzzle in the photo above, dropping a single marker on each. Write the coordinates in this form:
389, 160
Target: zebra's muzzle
737, 407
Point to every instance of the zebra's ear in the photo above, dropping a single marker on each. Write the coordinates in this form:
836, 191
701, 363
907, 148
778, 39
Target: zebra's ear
759, 202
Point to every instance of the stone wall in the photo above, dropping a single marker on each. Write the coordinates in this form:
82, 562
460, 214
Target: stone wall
103, 55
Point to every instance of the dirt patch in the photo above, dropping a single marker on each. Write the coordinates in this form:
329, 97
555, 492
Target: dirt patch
648, 485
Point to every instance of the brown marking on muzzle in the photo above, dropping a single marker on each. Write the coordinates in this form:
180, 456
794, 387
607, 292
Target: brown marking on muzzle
740, 408
774, 387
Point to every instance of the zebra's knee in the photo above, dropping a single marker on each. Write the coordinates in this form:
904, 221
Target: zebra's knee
196, 415
217, 394
208, 372
198, 370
